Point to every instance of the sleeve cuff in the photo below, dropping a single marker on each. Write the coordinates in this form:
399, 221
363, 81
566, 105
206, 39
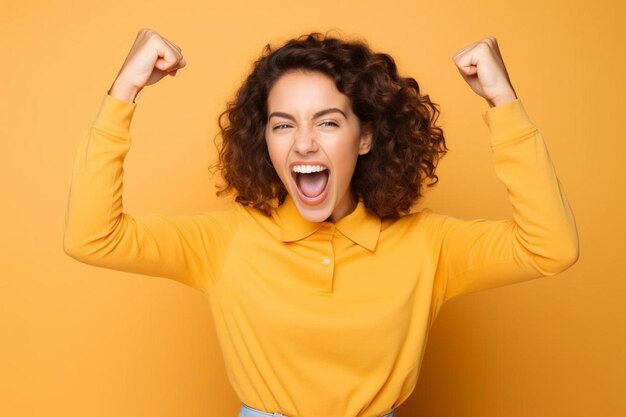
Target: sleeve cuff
507, 121
114, 116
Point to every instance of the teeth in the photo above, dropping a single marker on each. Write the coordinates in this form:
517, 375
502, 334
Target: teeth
307, 169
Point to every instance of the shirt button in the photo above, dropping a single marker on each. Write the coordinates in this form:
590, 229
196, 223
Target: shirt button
326, 261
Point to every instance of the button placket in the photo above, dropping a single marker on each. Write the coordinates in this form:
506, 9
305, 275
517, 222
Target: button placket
327, 256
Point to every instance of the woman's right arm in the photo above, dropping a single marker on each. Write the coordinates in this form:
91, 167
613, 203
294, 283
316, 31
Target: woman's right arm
98, 232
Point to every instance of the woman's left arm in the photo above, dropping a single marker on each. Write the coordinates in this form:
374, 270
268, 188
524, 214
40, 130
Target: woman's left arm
541, 239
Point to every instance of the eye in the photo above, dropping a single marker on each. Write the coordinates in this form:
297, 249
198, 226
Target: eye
281, 126
329, 123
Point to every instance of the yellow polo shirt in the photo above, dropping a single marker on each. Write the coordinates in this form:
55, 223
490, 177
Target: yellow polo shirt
323, 319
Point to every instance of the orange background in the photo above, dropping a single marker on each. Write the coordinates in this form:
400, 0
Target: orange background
77, 340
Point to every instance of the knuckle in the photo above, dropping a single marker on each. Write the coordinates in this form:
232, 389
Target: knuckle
153, 34
491, 40
484, 45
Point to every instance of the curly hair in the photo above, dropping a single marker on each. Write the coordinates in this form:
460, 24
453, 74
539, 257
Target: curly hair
406, 143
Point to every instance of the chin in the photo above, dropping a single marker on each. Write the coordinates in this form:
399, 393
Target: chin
315, 214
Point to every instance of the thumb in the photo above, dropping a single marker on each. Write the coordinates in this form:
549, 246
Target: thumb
468, 70
467, 63
167, 61
162, 64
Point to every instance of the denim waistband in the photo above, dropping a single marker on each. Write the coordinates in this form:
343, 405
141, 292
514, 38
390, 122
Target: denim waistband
247, 411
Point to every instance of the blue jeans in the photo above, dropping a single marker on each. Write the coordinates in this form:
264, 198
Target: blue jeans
247, 411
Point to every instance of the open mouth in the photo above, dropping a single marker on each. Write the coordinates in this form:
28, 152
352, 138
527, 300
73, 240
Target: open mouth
311, 182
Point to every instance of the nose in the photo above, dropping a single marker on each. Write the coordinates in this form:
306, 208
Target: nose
305, 142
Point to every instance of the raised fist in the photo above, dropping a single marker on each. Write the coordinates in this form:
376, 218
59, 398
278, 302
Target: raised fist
151, 58
482, 67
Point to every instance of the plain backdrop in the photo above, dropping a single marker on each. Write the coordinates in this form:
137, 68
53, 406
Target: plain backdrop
77, 340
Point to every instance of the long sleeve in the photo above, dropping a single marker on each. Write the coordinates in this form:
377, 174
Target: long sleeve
540, 240
98, 232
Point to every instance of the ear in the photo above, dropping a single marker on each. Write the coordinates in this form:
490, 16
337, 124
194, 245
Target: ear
365, 143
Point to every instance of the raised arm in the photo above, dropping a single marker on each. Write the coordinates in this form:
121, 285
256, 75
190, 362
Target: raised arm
98, 232
541, 239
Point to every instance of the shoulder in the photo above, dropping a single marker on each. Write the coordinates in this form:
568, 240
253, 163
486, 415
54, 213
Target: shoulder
252, 219
221, 221
424, 222
423, 217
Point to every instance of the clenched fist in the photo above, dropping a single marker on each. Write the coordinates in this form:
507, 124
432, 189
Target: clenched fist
151, 58
482, 67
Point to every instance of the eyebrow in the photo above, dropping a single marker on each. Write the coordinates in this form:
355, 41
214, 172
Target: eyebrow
315, 116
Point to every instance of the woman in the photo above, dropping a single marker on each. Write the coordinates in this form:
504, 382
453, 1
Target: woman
322, 284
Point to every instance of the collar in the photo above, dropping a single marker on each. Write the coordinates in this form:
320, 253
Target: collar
360, 226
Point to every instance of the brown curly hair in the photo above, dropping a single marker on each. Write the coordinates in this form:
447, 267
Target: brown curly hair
406, 143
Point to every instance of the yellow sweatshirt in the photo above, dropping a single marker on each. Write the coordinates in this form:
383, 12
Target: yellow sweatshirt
324, 319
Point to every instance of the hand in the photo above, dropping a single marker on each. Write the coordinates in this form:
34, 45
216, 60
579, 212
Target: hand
151, 58
482, 67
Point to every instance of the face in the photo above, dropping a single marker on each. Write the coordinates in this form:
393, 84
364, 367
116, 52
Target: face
314, 140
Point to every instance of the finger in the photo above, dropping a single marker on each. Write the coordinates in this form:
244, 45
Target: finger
498, 53
462, 51
483, 51
490, 41
468, 71
173, 45
168, 58
180, 64
466, 62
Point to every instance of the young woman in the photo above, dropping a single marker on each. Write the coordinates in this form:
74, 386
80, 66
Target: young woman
323, 286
